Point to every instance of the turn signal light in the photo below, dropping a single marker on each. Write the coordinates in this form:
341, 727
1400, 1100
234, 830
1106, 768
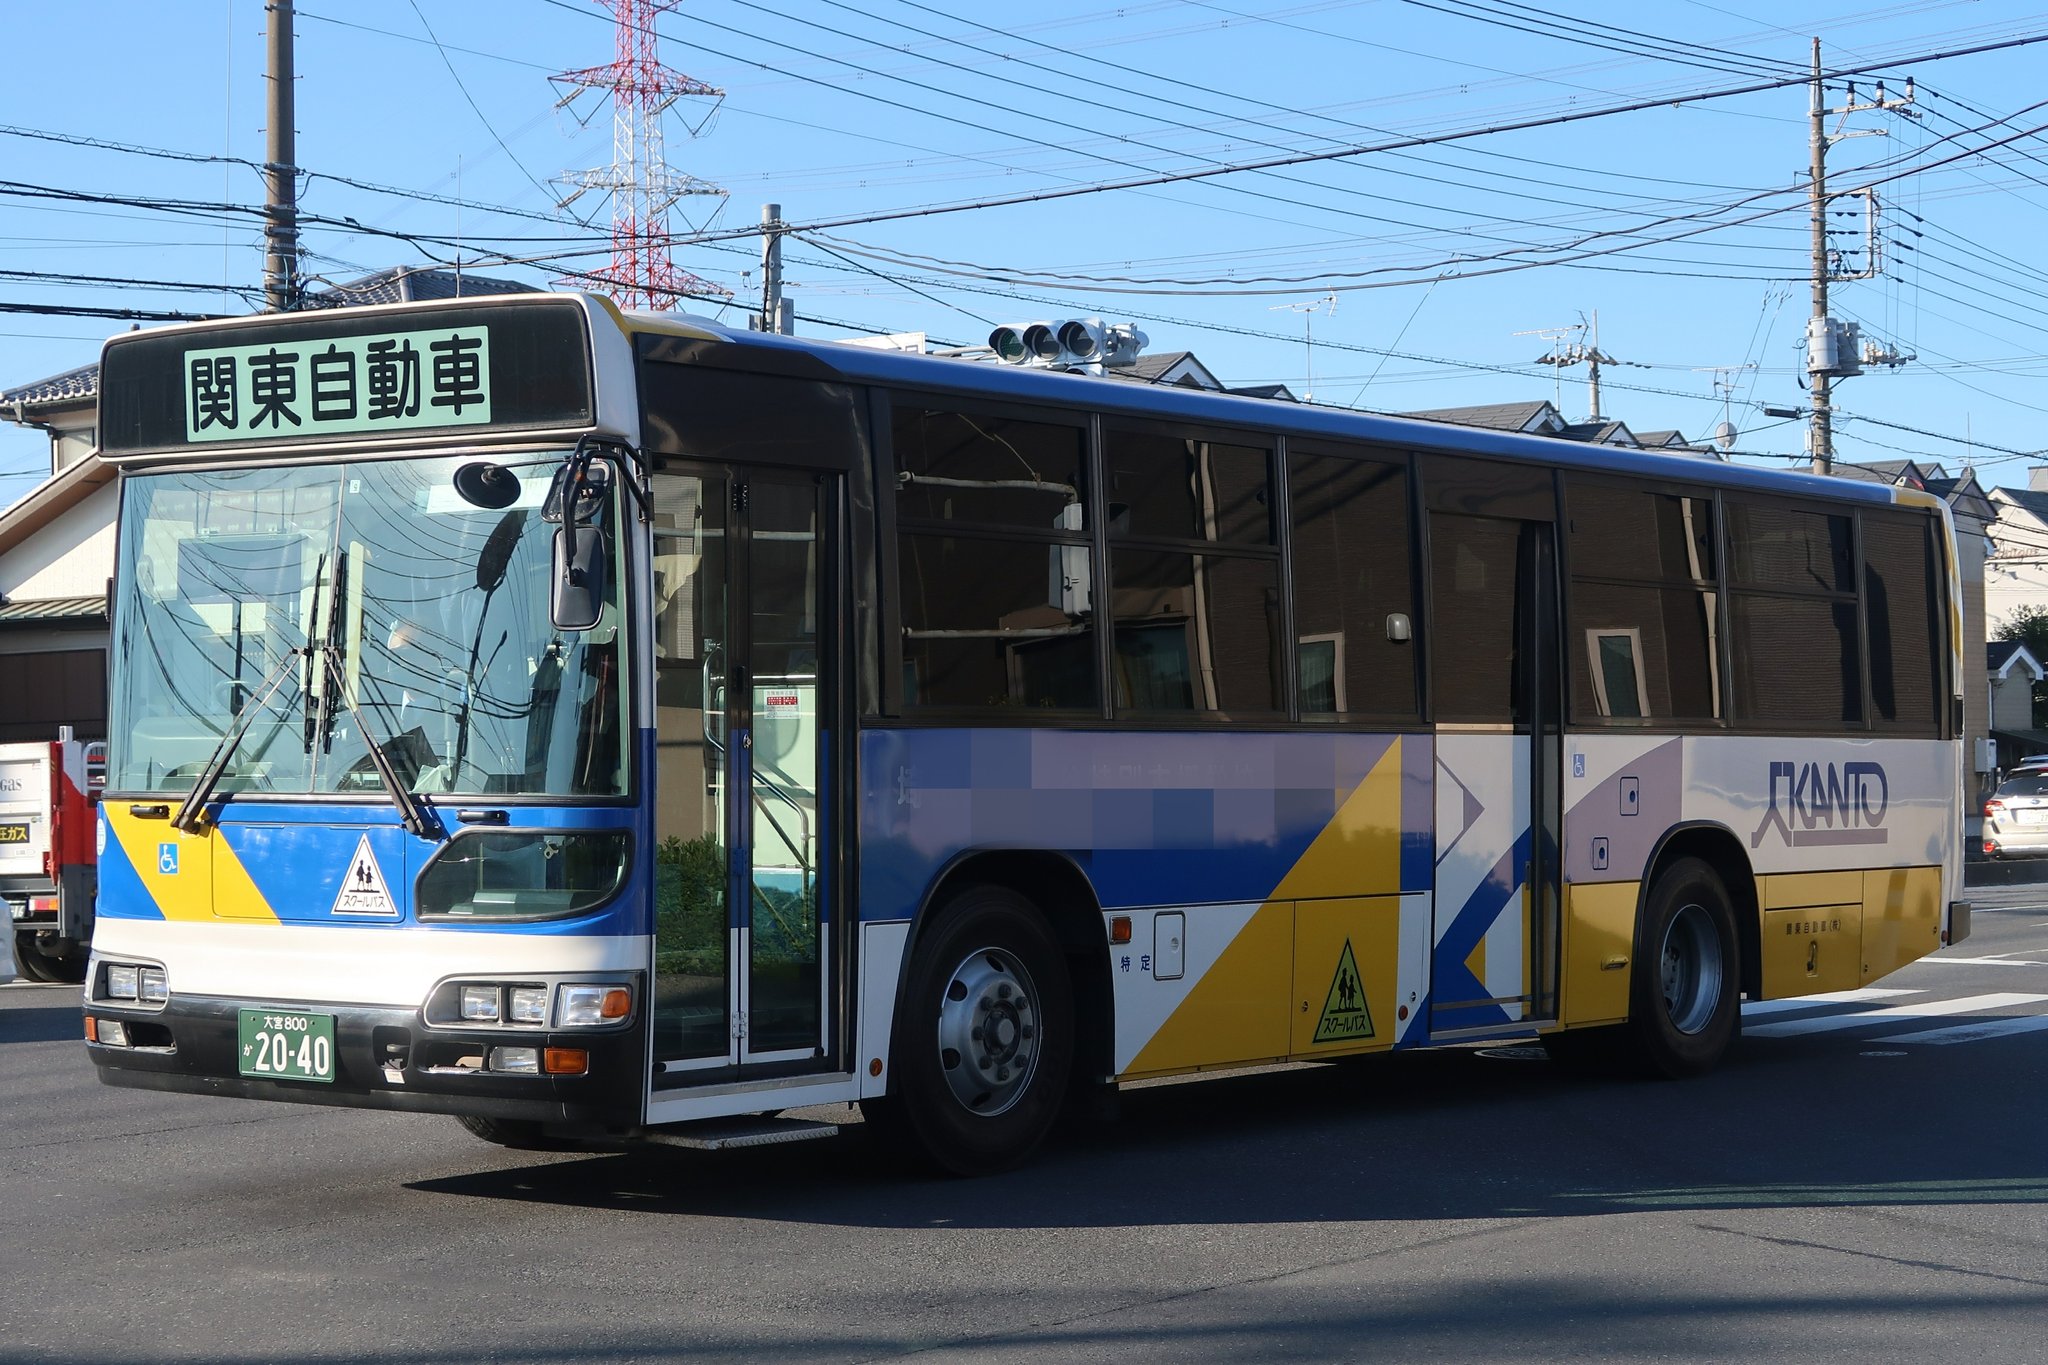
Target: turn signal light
565, 1061
1120, 929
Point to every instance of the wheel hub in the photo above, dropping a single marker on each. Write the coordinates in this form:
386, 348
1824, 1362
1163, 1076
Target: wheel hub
988, 1031
1690, 967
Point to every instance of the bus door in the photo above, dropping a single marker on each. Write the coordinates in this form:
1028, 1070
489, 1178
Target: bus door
747, 919
1495, 683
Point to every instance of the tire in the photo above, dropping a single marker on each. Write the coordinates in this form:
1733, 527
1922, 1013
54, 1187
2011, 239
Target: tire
1683, 1012
973, 1102
37, 963
521, 1135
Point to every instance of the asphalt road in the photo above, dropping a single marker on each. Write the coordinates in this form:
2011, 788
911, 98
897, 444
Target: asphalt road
1865, 1180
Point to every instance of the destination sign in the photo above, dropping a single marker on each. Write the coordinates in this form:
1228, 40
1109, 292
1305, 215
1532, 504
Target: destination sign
348, 374
371, 383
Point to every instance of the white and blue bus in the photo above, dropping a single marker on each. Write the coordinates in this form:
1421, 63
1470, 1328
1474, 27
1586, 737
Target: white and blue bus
602, 725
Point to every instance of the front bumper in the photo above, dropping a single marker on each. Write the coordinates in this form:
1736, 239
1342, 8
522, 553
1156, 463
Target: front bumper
385, 1058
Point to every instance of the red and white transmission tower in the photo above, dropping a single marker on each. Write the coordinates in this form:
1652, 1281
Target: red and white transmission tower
641, 185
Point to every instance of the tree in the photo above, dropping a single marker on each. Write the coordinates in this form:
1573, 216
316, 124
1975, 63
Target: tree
2029, 626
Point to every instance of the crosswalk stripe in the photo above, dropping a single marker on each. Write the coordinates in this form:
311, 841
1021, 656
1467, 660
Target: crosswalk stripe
1972, 1032
1757, 1009
1932, 1009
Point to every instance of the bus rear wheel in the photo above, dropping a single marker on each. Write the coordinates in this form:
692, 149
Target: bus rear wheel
984, 1037
1683, 1009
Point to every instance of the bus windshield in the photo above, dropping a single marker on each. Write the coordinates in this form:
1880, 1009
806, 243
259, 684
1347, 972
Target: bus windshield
349, 604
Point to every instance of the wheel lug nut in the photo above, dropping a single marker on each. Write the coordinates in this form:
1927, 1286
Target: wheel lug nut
1003, 991
1026, 1032
975, 1033
1002, 1073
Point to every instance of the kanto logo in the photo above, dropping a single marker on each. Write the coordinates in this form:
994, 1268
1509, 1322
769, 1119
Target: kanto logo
1818, 803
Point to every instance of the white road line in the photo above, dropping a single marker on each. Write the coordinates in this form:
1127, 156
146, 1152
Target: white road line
1758, 1008
1932, 1009
1986, 961
1973, 1032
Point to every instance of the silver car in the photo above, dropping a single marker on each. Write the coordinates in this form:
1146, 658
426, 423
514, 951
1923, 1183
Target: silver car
2016, 817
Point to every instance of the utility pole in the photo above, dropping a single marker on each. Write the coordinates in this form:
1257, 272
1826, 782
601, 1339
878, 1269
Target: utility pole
1820, 380
280, 171
775, 310
1834, 349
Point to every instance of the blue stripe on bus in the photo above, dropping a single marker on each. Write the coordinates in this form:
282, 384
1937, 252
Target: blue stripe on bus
1157, 818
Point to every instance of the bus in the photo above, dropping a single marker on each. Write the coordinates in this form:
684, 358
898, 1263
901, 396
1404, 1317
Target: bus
602, 725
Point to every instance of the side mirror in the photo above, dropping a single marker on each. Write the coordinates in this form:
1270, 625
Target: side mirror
582, 560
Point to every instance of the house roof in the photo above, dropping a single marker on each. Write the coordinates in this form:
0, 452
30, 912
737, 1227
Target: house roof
1539, 415
1161, 367
2002, 656
68, 387
1280, 391
1965, 496
412, 284
43, 611
1606, 432
50, 499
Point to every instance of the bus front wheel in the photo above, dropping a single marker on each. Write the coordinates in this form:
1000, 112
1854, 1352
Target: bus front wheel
984, 1037
1683, 1009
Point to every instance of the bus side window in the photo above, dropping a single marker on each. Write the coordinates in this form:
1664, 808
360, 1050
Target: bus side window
1643, 605
1353, 552
1902, 612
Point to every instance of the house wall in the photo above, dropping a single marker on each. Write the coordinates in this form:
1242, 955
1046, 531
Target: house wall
1976, 671
73, 556
2012, 701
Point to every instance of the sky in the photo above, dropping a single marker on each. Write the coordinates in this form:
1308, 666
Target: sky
1447, 190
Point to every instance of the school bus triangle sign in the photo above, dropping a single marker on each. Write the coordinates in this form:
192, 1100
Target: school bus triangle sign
1345, 1016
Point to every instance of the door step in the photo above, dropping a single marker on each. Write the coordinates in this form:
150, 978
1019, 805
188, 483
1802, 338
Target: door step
717, 1135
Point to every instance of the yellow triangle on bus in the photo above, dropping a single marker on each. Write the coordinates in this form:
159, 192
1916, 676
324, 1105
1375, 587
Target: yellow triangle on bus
1345, 1016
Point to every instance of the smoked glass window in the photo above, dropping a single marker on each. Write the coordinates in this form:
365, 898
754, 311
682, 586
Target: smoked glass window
1902, 609
1643, 604
1352, 577
995, 593
1795, 655
1194, 576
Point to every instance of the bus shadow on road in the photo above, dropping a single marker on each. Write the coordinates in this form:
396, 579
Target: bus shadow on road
1433, 1135
56, 1024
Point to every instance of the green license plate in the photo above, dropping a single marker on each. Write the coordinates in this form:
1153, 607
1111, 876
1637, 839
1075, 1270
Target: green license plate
286, 1045
13, 831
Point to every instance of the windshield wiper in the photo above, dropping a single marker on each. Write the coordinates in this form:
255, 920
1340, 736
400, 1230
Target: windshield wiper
194, 804
411, 810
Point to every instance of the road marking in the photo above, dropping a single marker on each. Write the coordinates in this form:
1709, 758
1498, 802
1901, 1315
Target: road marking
1932, 1009
1758, 1008
1973, 1032
1986, 961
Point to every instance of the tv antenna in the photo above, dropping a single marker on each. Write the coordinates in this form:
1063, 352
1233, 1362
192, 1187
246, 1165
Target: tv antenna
1326, 304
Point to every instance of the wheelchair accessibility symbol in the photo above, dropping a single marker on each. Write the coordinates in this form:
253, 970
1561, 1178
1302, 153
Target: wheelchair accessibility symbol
167, 859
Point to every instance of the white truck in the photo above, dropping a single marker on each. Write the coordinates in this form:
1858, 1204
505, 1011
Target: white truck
48, 872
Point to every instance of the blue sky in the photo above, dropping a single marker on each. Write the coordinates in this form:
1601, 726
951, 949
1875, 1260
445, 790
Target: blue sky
1683, 224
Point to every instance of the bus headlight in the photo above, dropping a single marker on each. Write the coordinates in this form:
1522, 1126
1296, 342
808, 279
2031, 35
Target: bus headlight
480, 1004
153, 987
581, 1005
123, 982
529, 1005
